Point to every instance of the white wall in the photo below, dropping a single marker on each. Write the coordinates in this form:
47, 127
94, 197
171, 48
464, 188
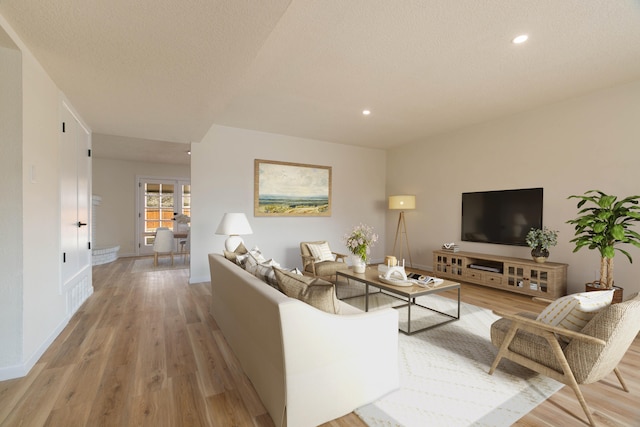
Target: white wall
115, 182
11, 261
590, 142
41, 313
222, 177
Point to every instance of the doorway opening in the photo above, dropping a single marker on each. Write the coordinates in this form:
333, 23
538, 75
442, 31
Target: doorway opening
160, 200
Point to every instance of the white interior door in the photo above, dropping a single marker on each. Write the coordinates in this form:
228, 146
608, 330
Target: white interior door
159, 200
75, 196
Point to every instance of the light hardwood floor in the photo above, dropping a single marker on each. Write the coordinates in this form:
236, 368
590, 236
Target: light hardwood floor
144, 351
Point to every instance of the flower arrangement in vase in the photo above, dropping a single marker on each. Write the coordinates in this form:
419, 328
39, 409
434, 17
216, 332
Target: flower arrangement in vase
359, 243
540, 240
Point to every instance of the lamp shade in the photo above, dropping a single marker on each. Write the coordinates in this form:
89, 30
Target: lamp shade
234, 224
403, 201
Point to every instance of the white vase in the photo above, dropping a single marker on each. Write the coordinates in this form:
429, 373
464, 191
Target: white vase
359, 266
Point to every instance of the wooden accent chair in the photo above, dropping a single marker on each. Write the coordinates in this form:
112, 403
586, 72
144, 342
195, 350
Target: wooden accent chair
590, 355
324, 269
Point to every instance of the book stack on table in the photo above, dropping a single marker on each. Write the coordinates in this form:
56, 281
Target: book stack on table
451, 247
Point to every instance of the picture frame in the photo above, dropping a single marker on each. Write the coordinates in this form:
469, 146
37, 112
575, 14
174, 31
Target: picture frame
291, 189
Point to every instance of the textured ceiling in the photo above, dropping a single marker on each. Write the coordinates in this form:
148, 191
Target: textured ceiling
167, 70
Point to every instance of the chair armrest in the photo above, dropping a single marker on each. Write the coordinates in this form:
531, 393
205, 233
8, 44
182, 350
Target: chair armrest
533, 325
339, 257
309, 260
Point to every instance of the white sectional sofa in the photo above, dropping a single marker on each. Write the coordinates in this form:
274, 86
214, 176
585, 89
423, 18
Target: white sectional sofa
308, 366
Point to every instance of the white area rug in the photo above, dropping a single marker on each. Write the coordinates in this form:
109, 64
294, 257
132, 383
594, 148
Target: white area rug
145, 265
444, 378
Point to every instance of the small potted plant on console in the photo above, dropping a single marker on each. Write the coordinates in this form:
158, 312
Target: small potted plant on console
540, 240
603, 225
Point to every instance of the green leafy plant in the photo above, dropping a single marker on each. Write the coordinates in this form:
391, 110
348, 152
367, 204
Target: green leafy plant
605, 223
541, 239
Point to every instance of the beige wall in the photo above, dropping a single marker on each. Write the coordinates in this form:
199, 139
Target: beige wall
115, 182
222, 181
591, 142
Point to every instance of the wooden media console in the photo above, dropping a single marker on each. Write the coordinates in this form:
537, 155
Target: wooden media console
548, 280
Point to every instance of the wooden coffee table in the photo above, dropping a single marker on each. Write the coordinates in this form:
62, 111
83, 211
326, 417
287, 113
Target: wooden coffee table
408, 294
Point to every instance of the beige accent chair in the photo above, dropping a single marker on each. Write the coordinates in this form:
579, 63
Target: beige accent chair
163, 244
323, 269
590, 355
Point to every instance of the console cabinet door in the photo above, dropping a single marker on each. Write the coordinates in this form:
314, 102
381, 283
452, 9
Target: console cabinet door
449, 266
527, 278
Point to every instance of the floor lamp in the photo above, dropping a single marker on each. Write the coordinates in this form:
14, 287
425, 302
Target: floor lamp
402, 203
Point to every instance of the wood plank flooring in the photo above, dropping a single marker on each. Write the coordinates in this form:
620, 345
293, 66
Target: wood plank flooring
144, 351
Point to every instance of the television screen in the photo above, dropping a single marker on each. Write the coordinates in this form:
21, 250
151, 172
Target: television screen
503, 217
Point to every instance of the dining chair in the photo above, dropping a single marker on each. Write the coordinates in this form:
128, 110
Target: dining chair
163, 244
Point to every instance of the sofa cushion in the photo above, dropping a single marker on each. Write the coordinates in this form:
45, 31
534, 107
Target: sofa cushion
574, 311
316, 292
320, 251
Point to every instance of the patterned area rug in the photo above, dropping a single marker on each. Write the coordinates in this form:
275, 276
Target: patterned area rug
443, 374
145, 265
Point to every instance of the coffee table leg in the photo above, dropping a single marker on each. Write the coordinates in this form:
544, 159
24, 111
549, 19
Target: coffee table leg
366, 297
409, 315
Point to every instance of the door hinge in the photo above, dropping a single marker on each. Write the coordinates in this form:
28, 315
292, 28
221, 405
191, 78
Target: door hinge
64, 257
88, 245
89, 153
63, 127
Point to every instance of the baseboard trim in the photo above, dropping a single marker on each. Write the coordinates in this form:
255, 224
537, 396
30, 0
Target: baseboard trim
21, 370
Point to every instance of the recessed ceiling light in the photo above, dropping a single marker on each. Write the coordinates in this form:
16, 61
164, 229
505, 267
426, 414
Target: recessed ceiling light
520, 39
366, 112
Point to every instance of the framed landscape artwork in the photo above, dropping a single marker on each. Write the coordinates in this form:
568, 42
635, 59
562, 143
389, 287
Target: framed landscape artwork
291, 189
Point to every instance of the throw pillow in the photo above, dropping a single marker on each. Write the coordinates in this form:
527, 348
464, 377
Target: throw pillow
250, 259
316, 292
320, 251
264, 272
574, 311
231, 256
256, 254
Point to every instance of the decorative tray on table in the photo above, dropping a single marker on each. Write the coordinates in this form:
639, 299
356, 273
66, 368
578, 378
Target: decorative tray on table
396, 276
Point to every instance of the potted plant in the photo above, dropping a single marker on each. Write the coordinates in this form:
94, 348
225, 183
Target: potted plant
604, 225
540, 240
359, 241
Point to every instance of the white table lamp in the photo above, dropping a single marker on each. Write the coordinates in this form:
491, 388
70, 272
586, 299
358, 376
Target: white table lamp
402, 202
234, 225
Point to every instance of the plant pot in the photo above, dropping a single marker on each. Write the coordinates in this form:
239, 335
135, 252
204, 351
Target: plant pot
539, 255
595, 286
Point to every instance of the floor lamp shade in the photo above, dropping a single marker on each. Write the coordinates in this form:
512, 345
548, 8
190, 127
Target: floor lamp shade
233, 225
402, 202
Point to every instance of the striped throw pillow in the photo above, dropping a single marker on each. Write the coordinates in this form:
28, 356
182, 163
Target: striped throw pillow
574, 311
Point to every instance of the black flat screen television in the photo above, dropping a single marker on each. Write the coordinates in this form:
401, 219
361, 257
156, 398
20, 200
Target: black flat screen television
502, 217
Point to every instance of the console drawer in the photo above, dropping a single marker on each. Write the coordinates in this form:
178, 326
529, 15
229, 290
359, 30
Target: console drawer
494, 279
474, 274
